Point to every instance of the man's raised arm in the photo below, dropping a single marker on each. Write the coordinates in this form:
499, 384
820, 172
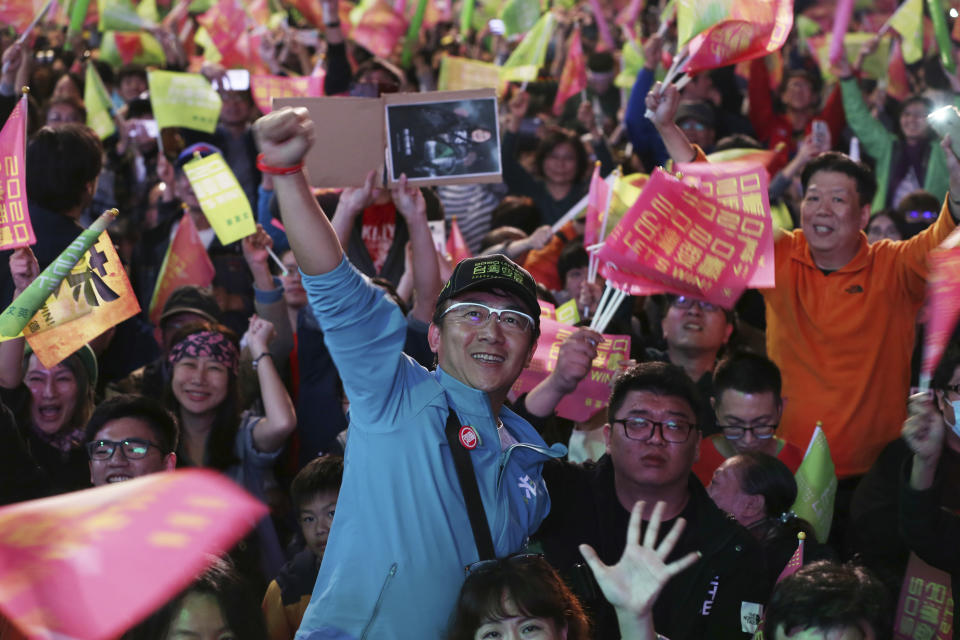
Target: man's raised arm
284, 137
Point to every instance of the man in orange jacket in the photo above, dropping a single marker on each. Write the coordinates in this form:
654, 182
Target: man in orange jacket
841, 318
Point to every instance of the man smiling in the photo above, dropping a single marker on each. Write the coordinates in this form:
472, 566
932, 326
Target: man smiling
130, 436
402, 537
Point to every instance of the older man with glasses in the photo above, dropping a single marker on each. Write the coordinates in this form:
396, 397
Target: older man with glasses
653, 438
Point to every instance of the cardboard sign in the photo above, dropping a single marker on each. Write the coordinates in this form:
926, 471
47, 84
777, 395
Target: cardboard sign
593, 392
442, 137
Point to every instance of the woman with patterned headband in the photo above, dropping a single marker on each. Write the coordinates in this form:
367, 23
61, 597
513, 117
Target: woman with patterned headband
203, 392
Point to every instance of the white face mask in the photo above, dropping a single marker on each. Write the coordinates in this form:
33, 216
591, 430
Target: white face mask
955, 405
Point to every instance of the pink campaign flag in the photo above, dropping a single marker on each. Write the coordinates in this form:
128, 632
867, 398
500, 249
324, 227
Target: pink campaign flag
92, 564
742, 186
593, 392
15, 228
925, 607
596, 205
265, 88
943, 301
684, 241
752, 29
226, 22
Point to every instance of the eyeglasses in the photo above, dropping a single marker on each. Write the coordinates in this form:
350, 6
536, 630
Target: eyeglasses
518, 559
685, 302
673, 431
133, 448
927, 216
687, 125
476, 314
763, 431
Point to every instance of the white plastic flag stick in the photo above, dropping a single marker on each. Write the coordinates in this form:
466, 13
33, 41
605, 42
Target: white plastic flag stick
612, 305
602, 235
283, 270
601, 305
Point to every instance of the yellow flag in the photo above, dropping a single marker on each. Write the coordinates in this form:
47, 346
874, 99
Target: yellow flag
221, 198
908, 22
183, 100
93, 297
526, 60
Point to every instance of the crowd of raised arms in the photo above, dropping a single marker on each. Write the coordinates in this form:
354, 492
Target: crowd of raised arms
358, 375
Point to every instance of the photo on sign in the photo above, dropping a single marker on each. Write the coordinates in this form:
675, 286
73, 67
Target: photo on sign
452, 139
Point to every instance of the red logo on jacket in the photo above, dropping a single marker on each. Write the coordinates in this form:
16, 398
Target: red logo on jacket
468, 437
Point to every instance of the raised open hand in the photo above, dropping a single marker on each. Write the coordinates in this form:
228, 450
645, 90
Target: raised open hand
633, 584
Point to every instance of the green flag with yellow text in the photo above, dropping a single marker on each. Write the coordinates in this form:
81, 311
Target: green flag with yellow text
183, 100
908, 22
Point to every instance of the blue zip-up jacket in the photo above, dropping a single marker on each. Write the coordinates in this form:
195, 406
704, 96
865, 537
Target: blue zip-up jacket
401, 538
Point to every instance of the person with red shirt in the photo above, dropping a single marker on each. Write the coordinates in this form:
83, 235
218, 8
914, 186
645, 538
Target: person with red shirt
748, 406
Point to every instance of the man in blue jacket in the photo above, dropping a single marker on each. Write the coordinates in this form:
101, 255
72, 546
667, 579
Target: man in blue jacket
397, 554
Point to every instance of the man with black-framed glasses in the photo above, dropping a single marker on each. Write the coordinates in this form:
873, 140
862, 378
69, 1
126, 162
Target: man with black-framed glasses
653, 438
747, 406
130, 436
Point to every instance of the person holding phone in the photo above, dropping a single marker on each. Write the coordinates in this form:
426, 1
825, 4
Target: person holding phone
906, 159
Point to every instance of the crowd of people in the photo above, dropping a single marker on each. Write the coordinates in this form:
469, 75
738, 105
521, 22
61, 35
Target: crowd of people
346, 372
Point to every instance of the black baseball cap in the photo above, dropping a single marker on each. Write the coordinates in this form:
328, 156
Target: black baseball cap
191, 299
495, 271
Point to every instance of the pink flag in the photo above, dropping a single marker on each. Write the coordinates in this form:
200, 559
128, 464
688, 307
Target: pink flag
380, 29
15, 227
753, 29
796, 560
226, 22
456, 245
593, 392
924, 609
266, 87
596, 205
685, 240
606, 38
91, 564
943, 300
841, 20
741, 185
573, 78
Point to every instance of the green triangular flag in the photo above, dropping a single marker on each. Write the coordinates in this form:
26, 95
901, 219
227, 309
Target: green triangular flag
97, 101
817, 485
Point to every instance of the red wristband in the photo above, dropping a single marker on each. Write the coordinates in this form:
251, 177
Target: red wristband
277, 171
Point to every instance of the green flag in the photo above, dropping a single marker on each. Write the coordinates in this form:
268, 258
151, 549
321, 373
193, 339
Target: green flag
119, 15
147, 10
941, 34
78, 13
696, 16
526, 60
908, 22
413, 34
519, 16
816, 485
631, 62
147, 50
183, 100
97, 101
221, 198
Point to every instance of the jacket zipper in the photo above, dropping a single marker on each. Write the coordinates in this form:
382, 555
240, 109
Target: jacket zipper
376, 607
505, 457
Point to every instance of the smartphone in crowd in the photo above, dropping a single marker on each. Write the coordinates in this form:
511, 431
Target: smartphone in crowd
946, 120
235, 80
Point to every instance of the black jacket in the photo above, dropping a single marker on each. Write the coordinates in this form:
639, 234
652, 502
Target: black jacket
703, 601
